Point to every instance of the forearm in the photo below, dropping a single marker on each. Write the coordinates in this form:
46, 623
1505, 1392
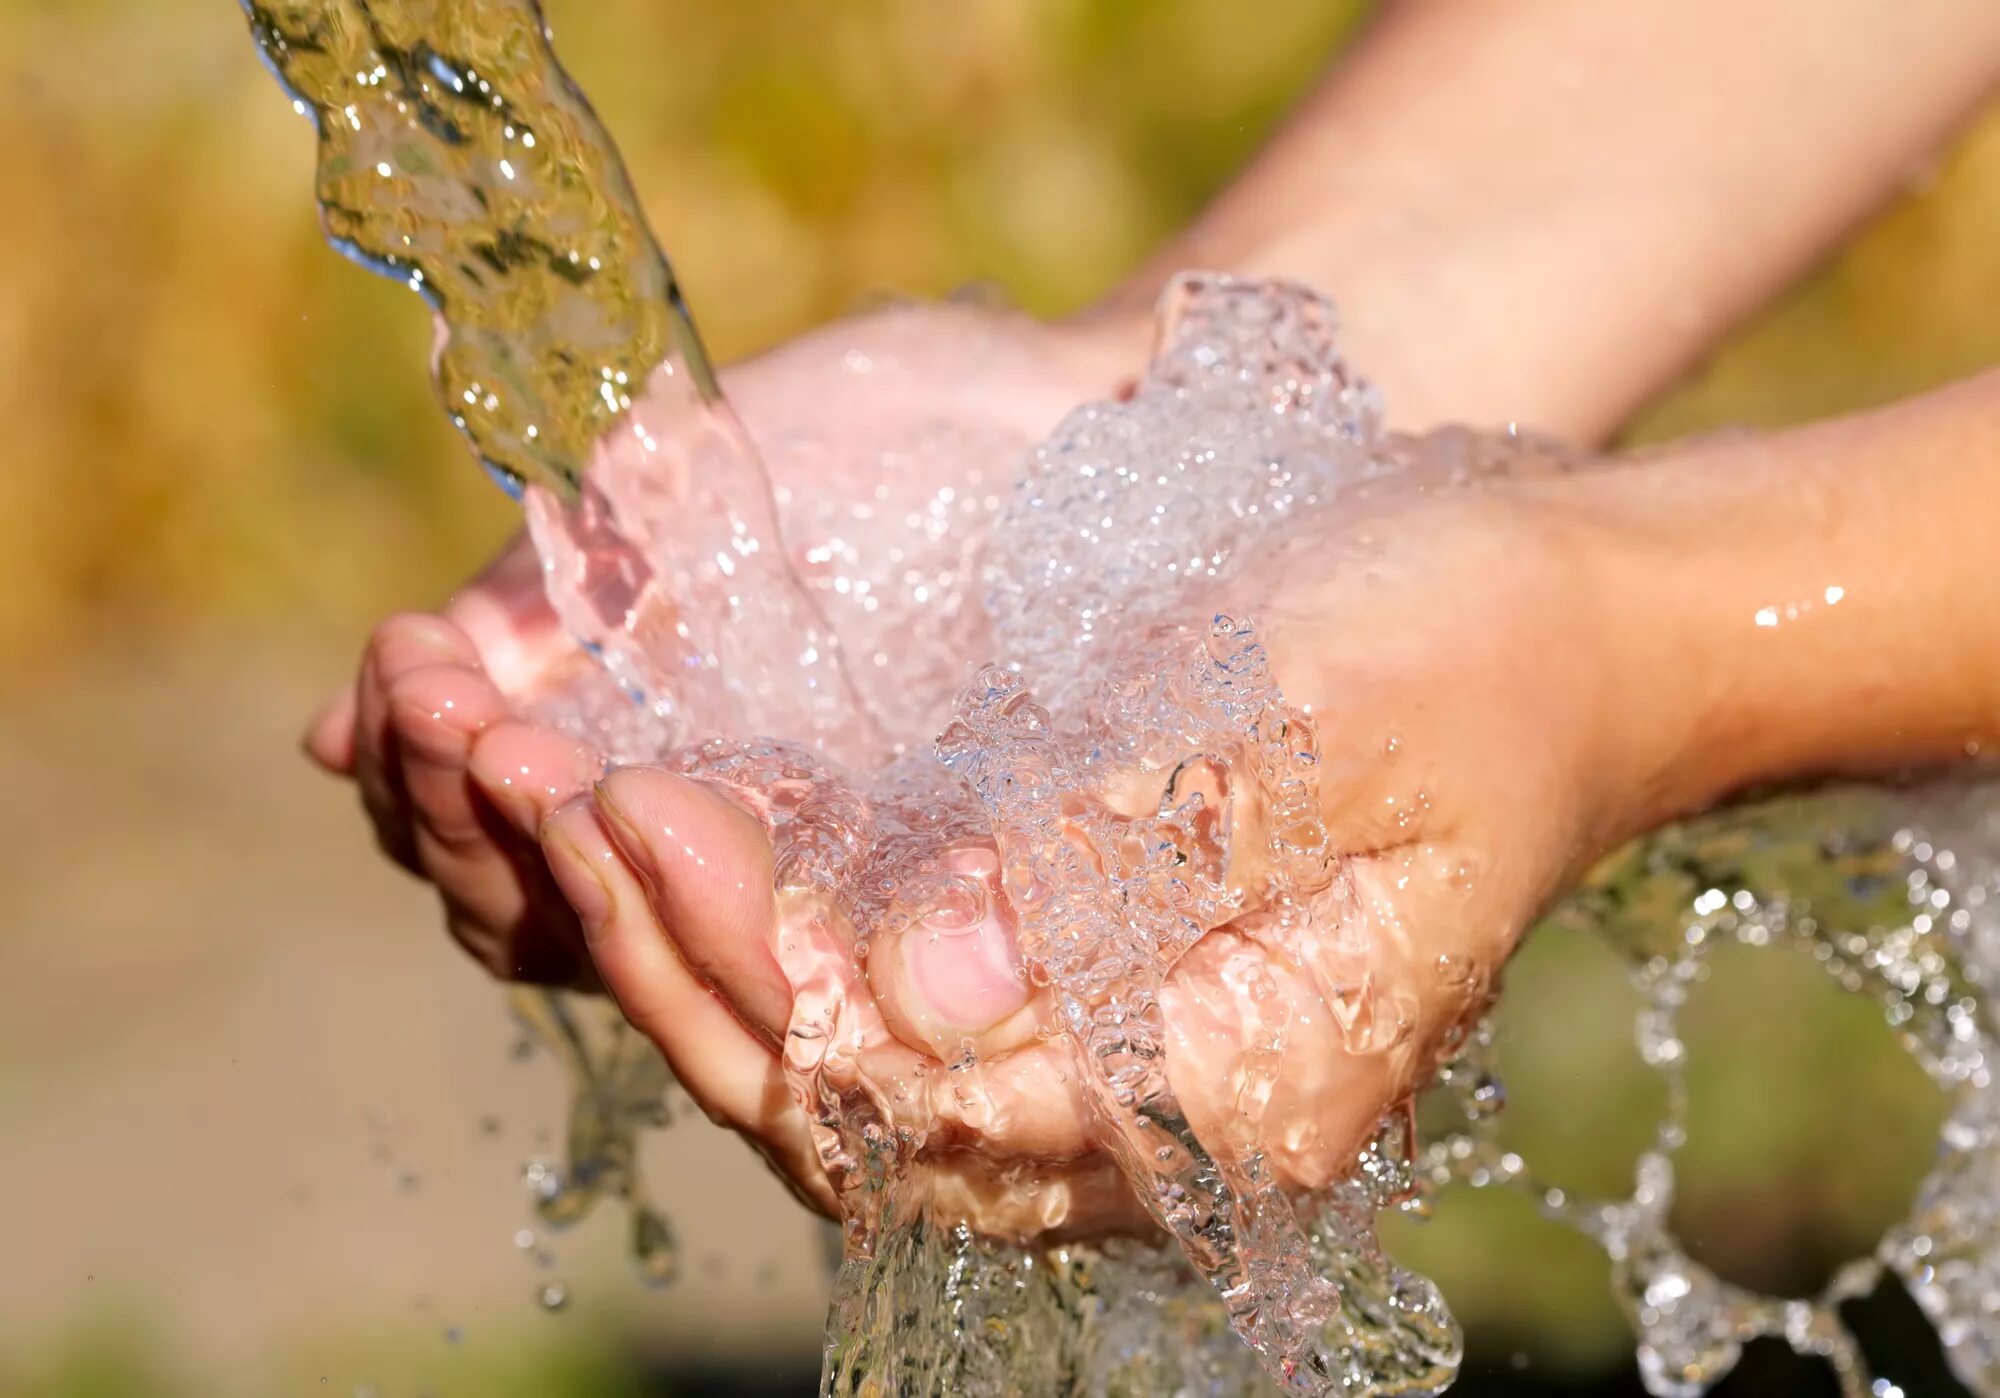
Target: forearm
1544, 211
1816, 602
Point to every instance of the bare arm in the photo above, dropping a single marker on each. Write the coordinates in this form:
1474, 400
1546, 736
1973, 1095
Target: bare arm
1822, 601
1543, 211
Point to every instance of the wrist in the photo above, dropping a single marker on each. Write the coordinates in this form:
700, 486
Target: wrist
1106, 345
1803, 605
1672, 730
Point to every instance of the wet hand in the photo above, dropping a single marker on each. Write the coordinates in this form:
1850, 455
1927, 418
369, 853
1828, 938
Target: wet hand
416, 732
428, 728
1456, 652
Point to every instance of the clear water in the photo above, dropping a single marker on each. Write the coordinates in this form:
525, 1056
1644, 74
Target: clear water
456, 156
744, 634
1894, 895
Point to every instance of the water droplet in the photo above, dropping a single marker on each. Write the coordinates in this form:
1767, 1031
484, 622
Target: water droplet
655, 1252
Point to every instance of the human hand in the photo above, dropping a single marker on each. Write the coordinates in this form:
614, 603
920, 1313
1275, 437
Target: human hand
1481, 737
915, 412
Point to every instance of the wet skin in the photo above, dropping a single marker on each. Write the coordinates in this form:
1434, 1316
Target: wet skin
1506, 679
1456, 816
1504, 684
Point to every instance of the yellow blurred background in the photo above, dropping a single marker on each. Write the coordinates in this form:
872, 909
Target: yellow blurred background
260, 1131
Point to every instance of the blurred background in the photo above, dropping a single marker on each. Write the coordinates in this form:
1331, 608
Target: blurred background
260, 1131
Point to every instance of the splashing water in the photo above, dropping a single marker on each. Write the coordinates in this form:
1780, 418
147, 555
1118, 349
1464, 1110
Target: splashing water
455, 155
1894, 895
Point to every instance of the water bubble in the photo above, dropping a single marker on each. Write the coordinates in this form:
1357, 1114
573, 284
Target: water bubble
542, 1180
1486, 1097
1372, 1020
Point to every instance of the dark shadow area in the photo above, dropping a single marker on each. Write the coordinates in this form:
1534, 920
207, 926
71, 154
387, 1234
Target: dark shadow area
1768, 1370
785, 1377
1899, 1342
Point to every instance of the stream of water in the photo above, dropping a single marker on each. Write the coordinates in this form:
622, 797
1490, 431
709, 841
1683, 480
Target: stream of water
456, 156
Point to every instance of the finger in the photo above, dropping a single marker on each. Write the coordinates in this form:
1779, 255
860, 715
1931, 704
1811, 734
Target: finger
1300, 1050
401, 643
500, 901
329, 737
946, 966
437, 711
528, 771
483, 869
377, 769
1028, 1104
706, 864
732, 1076
1087, 1198
1261, 1063
1445, 922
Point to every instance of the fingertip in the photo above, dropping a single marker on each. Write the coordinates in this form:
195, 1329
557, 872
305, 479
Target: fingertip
706, 864
329, 737
585, 867
414, 640
673, 826
951, 970
729, 1073
439, 709
638, 961
527, 771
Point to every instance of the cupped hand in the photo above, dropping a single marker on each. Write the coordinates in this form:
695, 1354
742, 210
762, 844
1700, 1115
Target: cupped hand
914, 412
1460, 654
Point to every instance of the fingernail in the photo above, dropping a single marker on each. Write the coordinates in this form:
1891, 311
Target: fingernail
504, 792
962, 959
329, 738
579, 877
526, 774
970, 980
420, 641
626, 832
440, 709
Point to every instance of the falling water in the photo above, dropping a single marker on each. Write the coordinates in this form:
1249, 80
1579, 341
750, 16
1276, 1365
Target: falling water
1094, 788
456, 156
1894, 895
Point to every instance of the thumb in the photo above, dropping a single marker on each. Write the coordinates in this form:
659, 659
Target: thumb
706, 866
946, 966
